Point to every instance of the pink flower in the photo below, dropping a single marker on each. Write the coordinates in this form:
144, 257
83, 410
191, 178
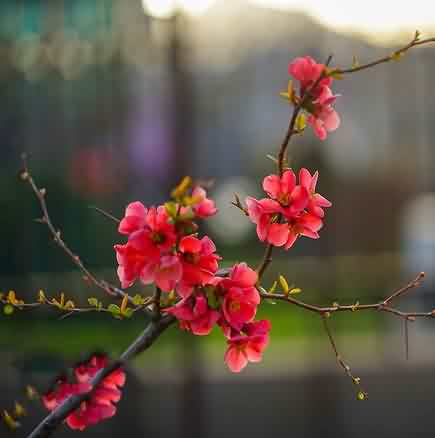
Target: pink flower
307, 72
135, 256
241, 297
323, 121
323, 118
162, 232
102, 403
195, 315
305, 224
140, 258
199, 262
204, 207
134, 219
316, 201
166, 273
291, 197
261, 213
247, 348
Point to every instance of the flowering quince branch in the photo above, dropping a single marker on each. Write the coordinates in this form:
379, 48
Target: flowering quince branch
163, 248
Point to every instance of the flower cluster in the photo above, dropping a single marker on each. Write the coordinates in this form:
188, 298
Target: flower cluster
315, 94
164, 248
100, 405
231, 303
290, 211
161, 247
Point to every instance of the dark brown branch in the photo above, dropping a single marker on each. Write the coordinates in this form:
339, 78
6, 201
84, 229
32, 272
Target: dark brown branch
143, 342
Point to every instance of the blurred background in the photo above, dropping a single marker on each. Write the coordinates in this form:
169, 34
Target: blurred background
116, 100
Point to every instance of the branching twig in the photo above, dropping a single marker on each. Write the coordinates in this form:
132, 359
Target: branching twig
381, 306
394, 56
40, 194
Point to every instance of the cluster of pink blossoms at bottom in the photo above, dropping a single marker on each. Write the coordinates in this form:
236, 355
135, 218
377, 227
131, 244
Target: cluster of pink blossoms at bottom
100, 406
290, 211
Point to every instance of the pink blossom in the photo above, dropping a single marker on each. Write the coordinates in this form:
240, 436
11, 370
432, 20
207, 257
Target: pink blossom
194, 314
307, 72
241, 297
204, 207
323, 118
102, 403
323, 121
199, 262
135, 256
162, 232
247, 348
261, 213
140, 259
305, 224
316, 201
283, 189
134, 219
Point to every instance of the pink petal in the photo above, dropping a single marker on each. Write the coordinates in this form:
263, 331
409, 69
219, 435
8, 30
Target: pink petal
190, 244
305, 178
243, 275
278, 234
291, 239
321, 201
272, 186
235, 359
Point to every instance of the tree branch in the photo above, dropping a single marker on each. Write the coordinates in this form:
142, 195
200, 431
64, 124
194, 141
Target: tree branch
382, 306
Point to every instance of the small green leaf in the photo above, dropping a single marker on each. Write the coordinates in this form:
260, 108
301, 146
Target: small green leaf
8, 309
301, 122
138, 300
114, 309
361, 395
355, 62
396, 56
93, 301
128, 312
171, 208
284, 284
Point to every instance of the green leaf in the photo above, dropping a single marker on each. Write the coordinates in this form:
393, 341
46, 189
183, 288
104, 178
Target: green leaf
138, 300
396, 56
301, 122
93, 301
171, 208
128, 312
8, 309
114, 309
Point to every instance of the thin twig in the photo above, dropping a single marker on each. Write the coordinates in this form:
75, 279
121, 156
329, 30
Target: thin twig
40, 194
394, 56
340, 361
105, 213
381, 306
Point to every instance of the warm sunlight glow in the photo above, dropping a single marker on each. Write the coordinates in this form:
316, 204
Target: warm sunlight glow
166, 8
369, 16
